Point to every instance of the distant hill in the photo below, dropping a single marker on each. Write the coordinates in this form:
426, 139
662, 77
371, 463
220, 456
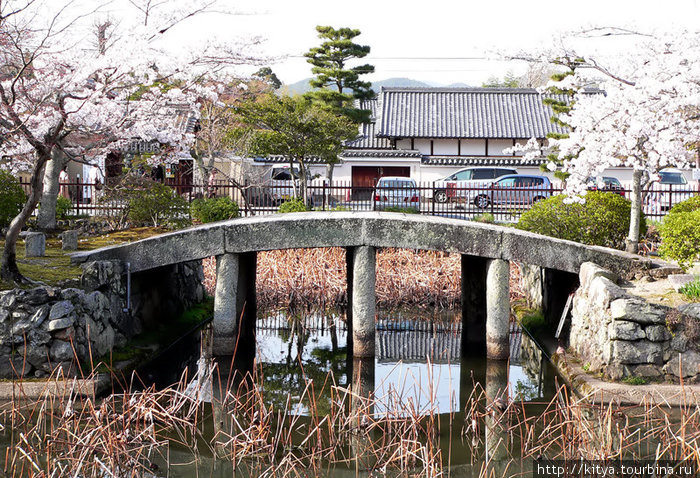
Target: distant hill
303, 86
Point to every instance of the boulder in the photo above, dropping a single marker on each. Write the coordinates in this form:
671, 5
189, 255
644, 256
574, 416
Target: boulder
637, 310
657, 333
69, 240
61, 309
35, 244
591, 270
61, 351
624, 330
39, 316
60, 324
637, 352
687, 364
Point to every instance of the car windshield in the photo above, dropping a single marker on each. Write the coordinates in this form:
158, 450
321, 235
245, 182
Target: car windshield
396, 184
671, 178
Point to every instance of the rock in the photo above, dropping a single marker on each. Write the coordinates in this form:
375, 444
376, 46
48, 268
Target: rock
686, 363
67, 334
615, 371
60, 324
19, 315
39, 316
603, 291
664, 271
637, 310
680, 280
61, 351
590, 271
73, 294
21, 327
638, 352
8, 299
37, 296
657, 333
38, 337
100, 275
14, 366
692, 310
35, 244
69, 240
36, 355
61, 309
646, 371
679, 343
105, 341
624, 330
4, 315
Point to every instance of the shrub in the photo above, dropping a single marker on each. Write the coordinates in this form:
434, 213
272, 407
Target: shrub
63, 207
691, 290
158, 205
293, 205
12, 198
688, 205
602, 220
680, 237
405, 210
214, 209
486, 218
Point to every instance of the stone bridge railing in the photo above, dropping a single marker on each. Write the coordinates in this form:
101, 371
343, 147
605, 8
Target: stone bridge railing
485, 249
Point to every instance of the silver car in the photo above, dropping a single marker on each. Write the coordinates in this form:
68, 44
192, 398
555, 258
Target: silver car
396, 192
515, 190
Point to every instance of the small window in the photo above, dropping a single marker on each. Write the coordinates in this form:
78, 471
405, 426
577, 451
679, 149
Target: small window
282, 174
483, 174
504, 172
463, 175
506, 183
672, 178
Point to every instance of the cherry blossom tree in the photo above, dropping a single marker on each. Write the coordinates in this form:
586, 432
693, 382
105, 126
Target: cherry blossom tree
648, 117
68, 93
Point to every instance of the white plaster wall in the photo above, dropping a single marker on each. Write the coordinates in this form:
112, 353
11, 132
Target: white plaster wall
473, 147
422, 145
403, 144
496, 146
445, 146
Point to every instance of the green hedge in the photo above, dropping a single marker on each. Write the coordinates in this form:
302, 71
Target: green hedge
602, 220
214, 209
12, 198
293, 205
680, 233
158, 205
63, 207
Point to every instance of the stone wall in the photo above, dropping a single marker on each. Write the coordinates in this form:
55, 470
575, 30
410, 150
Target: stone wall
46, 327
621, 335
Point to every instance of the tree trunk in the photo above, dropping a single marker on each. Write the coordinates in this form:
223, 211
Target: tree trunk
46, 217
632, 242
9, 270
303, 183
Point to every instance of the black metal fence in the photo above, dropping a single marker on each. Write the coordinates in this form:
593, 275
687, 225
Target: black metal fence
503, 204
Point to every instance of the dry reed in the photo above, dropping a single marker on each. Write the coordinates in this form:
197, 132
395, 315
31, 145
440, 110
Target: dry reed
313, 279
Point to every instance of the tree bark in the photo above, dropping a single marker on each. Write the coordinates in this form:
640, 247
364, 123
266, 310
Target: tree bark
632, 242
46, 217
9, 270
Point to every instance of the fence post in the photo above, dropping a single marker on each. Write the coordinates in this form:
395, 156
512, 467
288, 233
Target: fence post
323, 205
433, 198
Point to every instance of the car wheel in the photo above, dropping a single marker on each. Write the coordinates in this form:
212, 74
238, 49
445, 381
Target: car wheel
481, 201
440, 196
537, 199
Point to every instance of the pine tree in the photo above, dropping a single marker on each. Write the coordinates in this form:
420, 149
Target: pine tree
337, 84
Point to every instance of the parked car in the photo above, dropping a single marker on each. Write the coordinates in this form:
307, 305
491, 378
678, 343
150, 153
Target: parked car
606, 183
514, 190
671, 188
396, 192
456, 185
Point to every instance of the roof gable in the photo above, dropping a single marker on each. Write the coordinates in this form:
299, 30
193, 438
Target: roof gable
463, 113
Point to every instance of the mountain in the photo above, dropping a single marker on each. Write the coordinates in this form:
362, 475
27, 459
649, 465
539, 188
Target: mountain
302, 86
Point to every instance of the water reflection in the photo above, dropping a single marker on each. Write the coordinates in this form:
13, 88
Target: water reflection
417, 367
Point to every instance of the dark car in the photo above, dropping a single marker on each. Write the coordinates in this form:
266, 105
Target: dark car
515, 190
606, 183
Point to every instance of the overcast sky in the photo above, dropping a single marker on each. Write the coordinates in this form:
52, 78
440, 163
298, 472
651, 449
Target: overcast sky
407, 37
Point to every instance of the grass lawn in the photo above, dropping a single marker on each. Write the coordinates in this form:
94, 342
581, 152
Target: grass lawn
55, 267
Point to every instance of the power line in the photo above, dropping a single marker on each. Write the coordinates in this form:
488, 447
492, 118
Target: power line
436, 58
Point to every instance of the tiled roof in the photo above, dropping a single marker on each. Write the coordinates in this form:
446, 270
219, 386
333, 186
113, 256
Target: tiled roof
368, 138
463, 113
380, 153
479, 161
278, 158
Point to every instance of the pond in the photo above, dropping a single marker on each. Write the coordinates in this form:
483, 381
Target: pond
307, 408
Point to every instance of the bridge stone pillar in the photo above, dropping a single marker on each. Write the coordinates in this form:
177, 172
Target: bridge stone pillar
498, 309
235, 305
473, 305
363, 301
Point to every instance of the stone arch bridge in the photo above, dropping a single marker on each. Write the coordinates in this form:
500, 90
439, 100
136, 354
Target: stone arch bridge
485, 250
